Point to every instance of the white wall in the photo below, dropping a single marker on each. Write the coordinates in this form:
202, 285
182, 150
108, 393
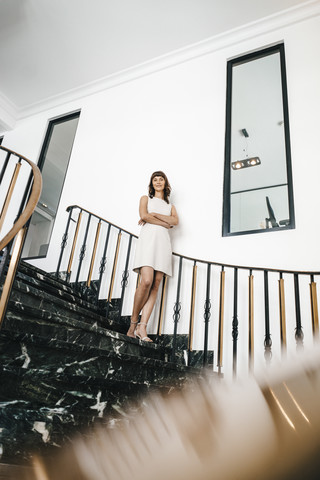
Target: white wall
174, 120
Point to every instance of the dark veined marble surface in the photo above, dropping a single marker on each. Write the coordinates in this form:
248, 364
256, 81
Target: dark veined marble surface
51, 389
64, 366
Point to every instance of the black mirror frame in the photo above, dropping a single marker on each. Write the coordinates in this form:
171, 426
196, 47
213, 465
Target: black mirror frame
227, 166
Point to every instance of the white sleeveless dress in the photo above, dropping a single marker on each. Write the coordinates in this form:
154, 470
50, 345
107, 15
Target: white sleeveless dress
153, 248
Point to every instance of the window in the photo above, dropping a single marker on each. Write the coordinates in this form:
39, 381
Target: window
258, 193
53, 162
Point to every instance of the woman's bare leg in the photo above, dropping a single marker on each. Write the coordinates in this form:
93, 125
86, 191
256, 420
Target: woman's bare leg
148, 307
141, 296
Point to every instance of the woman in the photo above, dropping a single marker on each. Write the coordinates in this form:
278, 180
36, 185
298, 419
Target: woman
153, 257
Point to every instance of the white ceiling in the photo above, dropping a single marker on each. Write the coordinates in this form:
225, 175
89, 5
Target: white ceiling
48, 47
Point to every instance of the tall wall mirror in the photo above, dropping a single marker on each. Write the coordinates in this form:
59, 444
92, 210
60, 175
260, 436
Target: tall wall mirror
258, 193
53, 163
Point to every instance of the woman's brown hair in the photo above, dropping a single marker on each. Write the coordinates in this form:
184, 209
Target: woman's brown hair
167, 186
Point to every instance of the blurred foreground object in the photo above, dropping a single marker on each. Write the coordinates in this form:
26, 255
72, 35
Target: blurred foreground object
251, 429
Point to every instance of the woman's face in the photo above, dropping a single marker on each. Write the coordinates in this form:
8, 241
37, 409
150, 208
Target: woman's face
158, 183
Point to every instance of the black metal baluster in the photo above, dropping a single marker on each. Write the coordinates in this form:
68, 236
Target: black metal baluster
176, 312
64, 240
90, 289
125, 276
103, 262
4, 166
74, 243
235, 322
299, 333
83, 250
251, 321
192, 305
267, 338
161, 310
207, 315
221, 318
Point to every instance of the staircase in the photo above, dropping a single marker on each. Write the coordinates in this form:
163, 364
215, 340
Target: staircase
64, 366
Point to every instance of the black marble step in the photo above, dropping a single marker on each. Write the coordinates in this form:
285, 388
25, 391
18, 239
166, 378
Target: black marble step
46, 280
26, 431
49, 283
108, 314
54, 389
74, 395
27, 427
64, 365
36, 351
56, 286
27, 320
29, 300
28, 295
54, 289
67, 391
100, 313
193, 358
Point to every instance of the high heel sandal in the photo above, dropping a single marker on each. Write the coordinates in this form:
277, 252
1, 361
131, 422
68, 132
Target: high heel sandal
134, 331
144, 339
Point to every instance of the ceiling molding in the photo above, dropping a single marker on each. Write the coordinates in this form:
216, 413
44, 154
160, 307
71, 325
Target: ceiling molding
235, 36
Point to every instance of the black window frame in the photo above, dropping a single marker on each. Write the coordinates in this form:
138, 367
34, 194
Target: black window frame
226, 211
45, 145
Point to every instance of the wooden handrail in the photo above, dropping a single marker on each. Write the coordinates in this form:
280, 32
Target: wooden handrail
32, 202
19, 229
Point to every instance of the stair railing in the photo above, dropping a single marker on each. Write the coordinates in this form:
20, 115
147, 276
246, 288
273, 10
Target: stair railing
276, 304
19, 199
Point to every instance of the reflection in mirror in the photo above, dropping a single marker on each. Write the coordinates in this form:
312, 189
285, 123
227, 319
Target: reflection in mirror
257, 180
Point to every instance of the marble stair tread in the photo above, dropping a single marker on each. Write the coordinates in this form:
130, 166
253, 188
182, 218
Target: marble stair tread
43, 407
31, 349
28, 427
30, 296
73, 393
49, 283
27, 430
90, 324
43, 276
119, 325
55, 297
35, 277
56, 289
90, 320
88, 374
57, 327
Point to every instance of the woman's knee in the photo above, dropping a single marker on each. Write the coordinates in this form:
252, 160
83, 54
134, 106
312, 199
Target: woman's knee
146, 282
